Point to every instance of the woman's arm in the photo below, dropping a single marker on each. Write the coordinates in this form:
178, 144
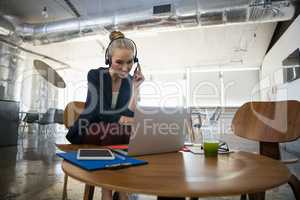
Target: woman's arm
138, 79
124, 120
134, 99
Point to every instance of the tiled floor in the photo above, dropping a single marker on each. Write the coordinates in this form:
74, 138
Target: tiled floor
32, 171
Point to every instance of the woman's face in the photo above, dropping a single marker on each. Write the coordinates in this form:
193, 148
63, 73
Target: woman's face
122, 61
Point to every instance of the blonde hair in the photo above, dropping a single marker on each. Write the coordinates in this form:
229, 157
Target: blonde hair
118, 41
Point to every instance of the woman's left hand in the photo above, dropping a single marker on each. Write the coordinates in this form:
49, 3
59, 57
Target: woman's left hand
128, 121
138, 77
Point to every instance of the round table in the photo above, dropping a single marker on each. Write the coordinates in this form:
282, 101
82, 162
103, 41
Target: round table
189, 175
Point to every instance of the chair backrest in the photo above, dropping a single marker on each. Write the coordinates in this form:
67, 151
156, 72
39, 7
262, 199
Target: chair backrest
268, 121
48, 117
216, 115
59, 116
31, 117
72, 112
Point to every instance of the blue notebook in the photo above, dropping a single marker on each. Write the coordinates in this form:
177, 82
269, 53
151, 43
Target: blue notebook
100, 164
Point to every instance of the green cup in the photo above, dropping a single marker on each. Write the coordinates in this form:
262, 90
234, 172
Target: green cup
211, 148
210, 143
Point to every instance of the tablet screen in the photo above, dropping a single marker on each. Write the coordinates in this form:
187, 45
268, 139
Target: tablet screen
94, 153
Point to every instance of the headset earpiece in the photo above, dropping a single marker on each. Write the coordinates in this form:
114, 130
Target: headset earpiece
106, 61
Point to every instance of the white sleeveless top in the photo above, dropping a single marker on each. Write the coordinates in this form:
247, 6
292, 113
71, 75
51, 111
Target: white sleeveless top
114, 99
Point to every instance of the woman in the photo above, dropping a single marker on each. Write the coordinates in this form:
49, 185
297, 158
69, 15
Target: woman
111, 99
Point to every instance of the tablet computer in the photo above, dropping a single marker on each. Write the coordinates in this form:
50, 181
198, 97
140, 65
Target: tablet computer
95, 154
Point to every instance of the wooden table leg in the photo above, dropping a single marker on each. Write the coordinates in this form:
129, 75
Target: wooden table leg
257, 196
65, 194
295, 185
88, 192
243, 197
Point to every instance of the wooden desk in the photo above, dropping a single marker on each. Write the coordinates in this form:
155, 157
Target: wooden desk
188, 175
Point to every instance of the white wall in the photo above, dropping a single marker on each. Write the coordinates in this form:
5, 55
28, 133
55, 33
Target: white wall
167, 90
241, 87
205, 89
37, 95
199, 51
26, 88
76, 87
229, 88
196, 88
272, 87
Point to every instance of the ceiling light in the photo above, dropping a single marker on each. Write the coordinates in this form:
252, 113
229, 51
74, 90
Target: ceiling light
45, 12
6, 27
4, 31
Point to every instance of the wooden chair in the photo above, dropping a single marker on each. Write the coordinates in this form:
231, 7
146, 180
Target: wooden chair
71, 114
269, 123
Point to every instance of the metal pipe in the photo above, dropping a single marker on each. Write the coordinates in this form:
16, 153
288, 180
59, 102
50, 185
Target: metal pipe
181, 15
35, 53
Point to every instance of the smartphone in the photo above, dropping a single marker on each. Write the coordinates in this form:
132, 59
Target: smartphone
121, 151
95, 154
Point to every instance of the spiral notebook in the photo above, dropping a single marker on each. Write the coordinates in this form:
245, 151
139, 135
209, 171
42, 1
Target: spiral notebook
118, 162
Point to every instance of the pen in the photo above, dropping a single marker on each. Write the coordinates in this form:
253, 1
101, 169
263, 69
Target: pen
118, 165
113, 165
126, 164
119, 156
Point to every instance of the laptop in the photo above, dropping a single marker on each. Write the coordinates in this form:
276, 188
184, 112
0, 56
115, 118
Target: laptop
157, 130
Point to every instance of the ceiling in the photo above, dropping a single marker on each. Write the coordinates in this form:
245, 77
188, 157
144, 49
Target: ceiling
236, 45
30, 11
241, 45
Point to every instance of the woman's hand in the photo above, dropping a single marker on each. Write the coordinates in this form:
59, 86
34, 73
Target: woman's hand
126, 120
138, 77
